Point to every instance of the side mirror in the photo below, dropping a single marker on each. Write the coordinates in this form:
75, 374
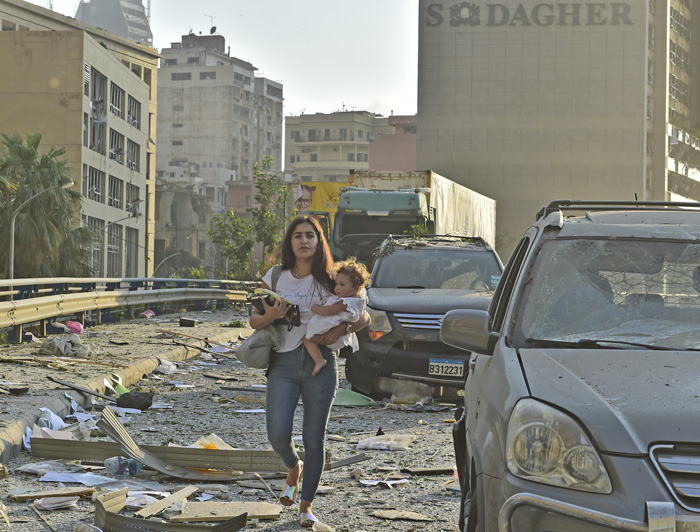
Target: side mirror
468, 330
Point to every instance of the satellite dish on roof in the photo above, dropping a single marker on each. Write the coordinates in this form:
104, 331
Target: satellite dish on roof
212, 30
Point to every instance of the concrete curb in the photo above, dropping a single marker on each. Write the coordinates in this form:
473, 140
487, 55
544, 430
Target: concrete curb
11, 436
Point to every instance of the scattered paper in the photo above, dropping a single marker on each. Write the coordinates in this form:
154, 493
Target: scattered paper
385, 483
56, 503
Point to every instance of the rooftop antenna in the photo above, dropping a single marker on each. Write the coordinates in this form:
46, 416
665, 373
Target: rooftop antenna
211, 24
148, 11
49, 4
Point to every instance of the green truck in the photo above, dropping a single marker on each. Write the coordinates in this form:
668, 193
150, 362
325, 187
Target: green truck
382, 203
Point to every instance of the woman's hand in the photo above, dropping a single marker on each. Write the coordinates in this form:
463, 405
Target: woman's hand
275, 311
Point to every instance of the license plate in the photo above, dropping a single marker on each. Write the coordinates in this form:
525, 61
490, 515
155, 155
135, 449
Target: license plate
446, 367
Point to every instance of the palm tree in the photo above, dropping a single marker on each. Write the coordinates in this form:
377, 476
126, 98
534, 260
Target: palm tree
46, 243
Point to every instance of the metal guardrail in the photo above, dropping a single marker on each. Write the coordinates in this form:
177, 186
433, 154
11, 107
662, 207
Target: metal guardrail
31, 301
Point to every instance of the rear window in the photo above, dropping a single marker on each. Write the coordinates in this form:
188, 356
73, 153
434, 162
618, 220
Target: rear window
443, 268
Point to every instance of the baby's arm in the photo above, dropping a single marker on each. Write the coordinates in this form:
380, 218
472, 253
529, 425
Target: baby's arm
329, 310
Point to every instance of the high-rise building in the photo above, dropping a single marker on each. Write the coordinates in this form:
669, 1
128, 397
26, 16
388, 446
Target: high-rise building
216, 121
528, 102
93, 93
326, 146
127, 18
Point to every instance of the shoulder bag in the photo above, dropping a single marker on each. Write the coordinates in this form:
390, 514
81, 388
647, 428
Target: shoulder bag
255, 350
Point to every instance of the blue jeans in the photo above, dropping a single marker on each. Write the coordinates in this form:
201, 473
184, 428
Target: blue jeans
288, 379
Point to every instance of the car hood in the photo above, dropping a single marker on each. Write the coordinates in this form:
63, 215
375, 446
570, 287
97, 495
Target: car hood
626, 399
427, 300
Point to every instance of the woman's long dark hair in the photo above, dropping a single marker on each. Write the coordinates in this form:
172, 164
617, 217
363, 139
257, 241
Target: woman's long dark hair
322, 264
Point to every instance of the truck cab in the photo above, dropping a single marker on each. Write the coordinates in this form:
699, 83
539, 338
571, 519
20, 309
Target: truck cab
366, 217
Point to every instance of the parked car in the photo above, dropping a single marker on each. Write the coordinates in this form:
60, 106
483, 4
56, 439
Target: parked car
582, 403
414, 283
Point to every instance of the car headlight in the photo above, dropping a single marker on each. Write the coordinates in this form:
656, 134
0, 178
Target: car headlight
545, 445
380, 324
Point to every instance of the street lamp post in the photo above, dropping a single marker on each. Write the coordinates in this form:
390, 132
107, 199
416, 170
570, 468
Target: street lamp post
64, 183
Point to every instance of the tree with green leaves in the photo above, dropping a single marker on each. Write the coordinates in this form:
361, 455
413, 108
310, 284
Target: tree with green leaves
46, 243
265, 222
269, 213
234, 238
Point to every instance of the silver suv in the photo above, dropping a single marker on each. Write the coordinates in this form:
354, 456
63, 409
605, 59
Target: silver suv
414, 283
582, 406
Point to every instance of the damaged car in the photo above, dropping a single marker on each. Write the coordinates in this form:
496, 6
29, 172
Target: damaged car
582, 402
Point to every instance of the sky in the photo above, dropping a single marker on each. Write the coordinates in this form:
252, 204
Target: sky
360, 55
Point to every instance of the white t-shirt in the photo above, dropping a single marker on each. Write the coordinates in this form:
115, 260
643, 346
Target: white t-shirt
304, 292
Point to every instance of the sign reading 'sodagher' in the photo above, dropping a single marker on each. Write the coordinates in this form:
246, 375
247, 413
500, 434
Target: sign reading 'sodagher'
545, 14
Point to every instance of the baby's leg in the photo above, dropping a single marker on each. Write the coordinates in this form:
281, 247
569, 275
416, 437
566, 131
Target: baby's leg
315, 351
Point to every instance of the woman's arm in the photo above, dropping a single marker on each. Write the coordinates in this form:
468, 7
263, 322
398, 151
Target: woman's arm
272, 312
329, 310
332, 335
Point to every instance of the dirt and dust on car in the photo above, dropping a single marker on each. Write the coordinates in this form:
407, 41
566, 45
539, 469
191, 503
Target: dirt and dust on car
581, 403
415, 281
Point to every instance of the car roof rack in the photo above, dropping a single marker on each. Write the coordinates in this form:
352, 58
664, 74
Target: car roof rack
606, 205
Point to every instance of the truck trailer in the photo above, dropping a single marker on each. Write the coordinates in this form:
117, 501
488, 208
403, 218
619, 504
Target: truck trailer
379, 204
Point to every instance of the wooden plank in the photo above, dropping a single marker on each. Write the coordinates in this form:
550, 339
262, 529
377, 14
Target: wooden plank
64, 492
351, 460
157, 507
428, 470
221, 511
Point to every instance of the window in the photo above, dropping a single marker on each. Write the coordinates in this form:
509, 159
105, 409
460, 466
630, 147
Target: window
178, 125
680, 24
134, 114
650, 108
116, 100
192, 60
342, 134
410, 130
351, 156
115, 192
170, 62
359, 133
650, 143
116, 146
651, 37
86, 79
237, 76
314, 157
114, 234
207, 75
133, 155
178, 107
678, 90
97, 226
327, 135
292, 159
180, 76
95, 184
650, 72
86, 129
132, 197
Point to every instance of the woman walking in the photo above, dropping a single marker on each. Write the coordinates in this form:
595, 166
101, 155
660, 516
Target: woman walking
305, 280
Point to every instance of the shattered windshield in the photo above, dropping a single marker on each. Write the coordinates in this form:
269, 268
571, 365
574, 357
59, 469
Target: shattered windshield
430, 267
624, 291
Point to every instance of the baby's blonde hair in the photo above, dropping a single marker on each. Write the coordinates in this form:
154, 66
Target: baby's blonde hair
356, 271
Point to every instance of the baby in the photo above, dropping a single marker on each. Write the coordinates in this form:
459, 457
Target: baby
347, 305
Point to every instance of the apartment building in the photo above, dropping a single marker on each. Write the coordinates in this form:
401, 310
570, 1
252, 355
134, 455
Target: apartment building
217, 119
528, 102
93, 93
127, 18
326, 146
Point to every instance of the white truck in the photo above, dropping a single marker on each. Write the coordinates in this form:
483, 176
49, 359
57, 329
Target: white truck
378, 204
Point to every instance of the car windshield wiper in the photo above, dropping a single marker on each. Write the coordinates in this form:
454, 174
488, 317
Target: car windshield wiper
588, 342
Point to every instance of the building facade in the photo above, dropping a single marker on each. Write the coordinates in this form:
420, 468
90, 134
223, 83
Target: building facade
216, 121
93, 93
127, 18
528, 102
397, 150
326, 146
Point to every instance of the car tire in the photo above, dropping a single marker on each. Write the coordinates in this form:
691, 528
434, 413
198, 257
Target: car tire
470, 507
361, 380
